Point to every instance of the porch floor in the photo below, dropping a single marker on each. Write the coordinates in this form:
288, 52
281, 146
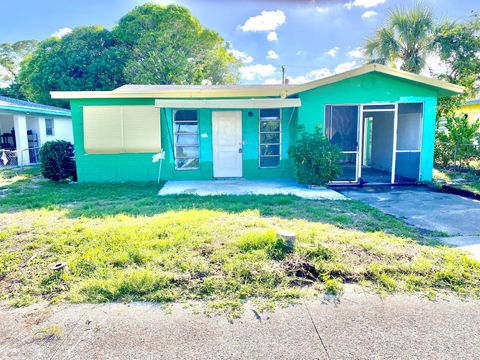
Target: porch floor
248, 187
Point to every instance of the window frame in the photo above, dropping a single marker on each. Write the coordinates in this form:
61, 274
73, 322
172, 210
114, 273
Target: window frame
52, 128
269, 132
175, 134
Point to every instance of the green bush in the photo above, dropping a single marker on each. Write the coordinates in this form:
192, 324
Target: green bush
57, 160
316, 160
455, 146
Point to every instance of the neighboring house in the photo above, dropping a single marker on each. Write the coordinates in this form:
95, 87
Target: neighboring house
472, 109
382, 119
26, 126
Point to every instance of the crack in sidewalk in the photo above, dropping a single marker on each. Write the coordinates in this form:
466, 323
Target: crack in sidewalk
316, 329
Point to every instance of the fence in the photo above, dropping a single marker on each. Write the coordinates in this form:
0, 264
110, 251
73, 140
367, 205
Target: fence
458, 156
19, 158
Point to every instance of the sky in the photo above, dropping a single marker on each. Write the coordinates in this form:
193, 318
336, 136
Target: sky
309, 38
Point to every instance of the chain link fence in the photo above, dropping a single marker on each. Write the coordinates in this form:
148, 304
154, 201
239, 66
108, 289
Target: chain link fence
19, 158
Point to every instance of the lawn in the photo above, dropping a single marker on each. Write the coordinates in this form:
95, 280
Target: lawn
465, 180
121, 242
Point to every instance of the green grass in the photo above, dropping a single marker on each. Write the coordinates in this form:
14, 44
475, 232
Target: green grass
121, 242
462, 180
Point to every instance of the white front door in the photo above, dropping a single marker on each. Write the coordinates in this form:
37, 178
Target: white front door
227, 143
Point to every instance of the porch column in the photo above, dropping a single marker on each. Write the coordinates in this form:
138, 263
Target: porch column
20, 126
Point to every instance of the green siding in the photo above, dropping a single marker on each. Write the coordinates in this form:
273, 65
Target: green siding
139, 167
368, 88
374, 88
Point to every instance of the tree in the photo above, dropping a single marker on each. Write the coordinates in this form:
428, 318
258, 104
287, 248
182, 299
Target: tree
88, 58
407, 37
10, 57
458, 45
167, 45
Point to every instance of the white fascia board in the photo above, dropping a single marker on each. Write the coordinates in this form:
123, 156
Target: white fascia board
228, 103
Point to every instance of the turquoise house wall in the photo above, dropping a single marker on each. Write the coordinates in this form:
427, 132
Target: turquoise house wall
374, 88
139, 167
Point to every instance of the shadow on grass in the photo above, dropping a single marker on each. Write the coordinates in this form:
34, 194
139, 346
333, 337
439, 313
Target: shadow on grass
94, 200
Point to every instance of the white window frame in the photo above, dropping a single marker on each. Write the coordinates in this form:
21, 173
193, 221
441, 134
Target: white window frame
175, 133
52, 127
269, 132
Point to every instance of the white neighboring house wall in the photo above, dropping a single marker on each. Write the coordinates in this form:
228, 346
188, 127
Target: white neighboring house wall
21, 123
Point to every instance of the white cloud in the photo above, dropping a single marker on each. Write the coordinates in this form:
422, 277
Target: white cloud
272, 81
356, 53
367, 3
348, 5
272, 55
266, 21
345, 67
322, 9
368, 14
310, 76
240, 55
299, 52
62, 32
252, 72
272, 36
333, 51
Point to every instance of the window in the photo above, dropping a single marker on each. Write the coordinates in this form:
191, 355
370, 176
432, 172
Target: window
121, 129
187, 149
49, 126
269, 129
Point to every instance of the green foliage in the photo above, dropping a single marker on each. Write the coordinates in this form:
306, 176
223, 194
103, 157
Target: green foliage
57, 160
316, 160
458, 44
89, 58
167, 45
10, 57
152, 44
456, 144
275, 248
407, 36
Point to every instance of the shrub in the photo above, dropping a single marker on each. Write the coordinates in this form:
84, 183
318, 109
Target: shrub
316, 160
57, 160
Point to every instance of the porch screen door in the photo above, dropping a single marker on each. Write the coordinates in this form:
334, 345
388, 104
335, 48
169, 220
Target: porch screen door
342, 129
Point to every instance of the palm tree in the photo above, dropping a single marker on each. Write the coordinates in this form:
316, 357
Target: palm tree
407, 36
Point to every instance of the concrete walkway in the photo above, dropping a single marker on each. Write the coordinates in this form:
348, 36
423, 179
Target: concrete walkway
454, 215
248, 187
361, 326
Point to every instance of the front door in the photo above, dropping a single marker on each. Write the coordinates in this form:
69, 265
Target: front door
227, 143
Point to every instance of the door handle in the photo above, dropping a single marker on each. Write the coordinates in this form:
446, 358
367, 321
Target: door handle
240, 150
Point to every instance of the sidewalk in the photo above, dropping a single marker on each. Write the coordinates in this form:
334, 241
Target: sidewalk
361, 326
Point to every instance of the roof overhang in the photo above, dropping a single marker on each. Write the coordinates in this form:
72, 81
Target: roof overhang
255, 103
444, 88
30, 110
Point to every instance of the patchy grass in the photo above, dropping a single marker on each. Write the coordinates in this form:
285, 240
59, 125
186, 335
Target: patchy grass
121, 242
460, 179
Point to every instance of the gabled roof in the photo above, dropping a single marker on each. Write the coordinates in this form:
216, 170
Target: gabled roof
230, 91
11, 104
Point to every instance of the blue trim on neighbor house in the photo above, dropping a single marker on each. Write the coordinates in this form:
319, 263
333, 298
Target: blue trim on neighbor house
472, 102
11, 104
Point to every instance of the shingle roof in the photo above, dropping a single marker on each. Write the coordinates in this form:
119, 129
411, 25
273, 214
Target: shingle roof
15, 104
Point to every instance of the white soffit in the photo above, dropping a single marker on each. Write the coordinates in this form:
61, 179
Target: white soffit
228, 103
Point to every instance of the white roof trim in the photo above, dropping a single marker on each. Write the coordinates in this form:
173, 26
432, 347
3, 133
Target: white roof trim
228, 103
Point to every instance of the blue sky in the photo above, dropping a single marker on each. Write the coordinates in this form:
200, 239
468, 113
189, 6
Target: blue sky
310, 38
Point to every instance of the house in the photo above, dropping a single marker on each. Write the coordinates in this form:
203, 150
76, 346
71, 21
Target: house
382, 119
25, 126
472, 109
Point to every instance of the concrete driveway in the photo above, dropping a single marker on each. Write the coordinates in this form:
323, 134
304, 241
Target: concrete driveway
360, 326
423, 208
